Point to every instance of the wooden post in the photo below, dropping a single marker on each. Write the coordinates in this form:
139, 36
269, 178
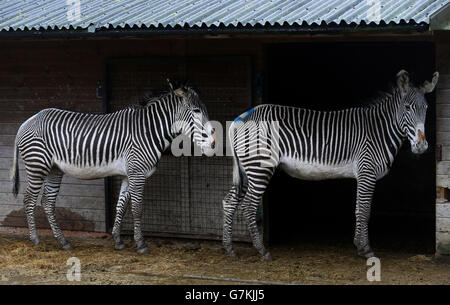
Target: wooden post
108, 180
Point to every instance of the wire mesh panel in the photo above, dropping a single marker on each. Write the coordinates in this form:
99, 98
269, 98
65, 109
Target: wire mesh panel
184, 196
166, 199
210, 181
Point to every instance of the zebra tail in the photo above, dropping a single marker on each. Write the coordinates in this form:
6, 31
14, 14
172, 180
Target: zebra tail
240, 179
14, 172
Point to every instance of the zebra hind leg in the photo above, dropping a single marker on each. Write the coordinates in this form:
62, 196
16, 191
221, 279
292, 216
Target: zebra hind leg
230, 204
38, 166
250, 208
51, 189
29, 200
121, 208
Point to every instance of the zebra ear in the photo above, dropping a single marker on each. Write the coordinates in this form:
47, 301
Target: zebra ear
403, 80
428, 87
170, 84
181, 92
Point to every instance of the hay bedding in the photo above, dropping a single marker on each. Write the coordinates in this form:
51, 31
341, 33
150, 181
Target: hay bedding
195, 262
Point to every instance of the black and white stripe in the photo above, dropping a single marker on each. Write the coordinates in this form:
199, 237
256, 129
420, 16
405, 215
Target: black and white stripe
128, 143
358, 143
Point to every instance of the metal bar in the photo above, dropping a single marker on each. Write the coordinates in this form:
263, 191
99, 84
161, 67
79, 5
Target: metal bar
196, 236
313, 29
108, 180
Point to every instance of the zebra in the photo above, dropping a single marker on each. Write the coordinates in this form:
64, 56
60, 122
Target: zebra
358, 143
127, 143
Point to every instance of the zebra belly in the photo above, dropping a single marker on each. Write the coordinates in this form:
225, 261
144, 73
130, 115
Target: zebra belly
315, 171
115, 168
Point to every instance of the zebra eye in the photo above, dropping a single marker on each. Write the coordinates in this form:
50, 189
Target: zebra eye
196, 110
408, 107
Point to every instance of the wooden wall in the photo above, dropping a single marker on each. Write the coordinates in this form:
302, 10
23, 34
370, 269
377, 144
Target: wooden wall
443, 141
49, 73
184, 196
34, 76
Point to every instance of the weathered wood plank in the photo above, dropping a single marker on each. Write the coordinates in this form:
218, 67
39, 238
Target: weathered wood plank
443, 181
442, 224
6, 151
443, 168
7, 140
15, 116
88, 214
446, 153
9, 128
443, 110
66, 189
443, 237
71, 202
6, 163
4, 176
442, 124
76, 224
444, 81
443, 209
443, 137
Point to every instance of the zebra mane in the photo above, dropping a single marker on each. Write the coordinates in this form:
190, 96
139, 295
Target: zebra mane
380, 97
152, 96
156, 94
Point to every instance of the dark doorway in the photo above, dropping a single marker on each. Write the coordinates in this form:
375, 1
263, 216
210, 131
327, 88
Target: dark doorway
331, 76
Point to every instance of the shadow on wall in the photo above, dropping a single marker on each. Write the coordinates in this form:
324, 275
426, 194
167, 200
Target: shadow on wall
67, 220
333, 76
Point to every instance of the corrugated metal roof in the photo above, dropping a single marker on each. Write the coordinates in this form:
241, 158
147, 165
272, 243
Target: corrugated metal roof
100, 14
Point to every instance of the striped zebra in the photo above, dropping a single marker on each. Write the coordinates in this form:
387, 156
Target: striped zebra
358, 143
127, 143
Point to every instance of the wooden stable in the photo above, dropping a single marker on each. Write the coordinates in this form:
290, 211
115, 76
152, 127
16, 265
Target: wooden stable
100, 74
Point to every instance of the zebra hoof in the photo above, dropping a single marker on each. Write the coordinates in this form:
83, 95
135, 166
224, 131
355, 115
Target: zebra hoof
67, 246
143, 250
367, 255
35, 242
267, 257
119, 246
231, 254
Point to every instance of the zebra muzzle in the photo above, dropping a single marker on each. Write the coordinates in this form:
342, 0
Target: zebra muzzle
213, 143
421, 144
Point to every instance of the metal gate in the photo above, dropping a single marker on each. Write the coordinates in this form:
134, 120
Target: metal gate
184, 196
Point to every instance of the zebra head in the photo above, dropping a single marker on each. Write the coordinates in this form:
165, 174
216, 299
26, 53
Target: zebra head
414, 109
192, 118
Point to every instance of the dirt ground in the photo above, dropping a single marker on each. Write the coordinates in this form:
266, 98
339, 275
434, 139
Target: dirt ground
178, 261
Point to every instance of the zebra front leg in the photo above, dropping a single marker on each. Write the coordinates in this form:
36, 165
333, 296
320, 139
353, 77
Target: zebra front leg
121, 208
365, 189
136, 193
230, 204
250, 208
51, 189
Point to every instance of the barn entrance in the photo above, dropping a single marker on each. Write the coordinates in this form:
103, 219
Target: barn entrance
331, 76
183, 198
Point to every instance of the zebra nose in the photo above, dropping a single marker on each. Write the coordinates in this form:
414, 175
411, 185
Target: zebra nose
420, 136
213, 143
